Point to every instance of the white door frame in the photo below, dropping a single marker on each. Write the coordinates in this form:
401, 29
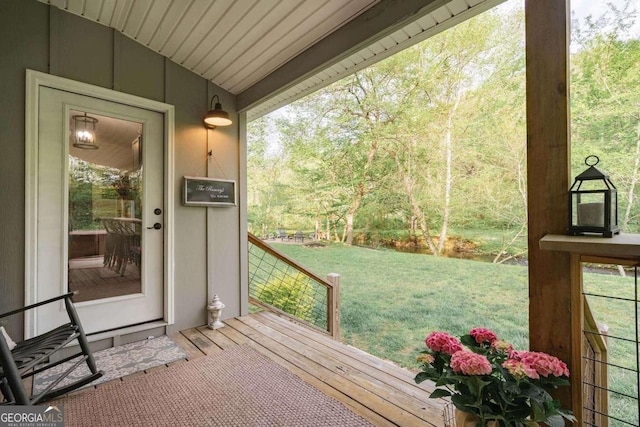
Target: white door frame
36, 79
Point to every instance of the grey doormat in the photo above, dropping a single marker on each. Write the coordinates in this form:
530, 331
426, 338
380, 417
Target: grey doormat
237, 387
117, 362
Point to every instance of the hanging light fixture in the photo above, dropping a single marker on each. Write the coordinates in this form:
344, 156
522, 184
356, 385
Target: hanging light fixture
84, 132
216, 116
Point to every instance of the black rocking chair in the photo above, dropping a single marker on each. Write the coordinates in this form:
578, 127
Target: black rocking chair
32, 356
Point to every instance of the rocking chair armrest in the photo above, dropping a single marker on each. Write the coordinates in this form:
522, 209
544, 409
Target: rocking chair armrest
38, 304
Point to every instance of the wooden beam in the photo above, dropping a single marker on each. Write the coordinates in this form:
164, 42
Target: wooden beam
626, 246
551, 323
377, 22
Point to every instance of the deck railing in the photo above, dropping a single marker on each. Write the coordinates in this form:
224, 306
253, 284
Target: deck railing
614, 390
595, 372
610, 358
281, 285
611, 378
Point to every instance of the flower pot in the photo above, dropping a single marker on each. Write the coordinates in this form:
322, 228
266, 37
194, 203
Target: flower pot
465, 419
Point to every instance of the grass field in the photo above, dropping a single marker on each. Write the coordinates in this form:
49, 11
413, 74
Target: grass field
390, 301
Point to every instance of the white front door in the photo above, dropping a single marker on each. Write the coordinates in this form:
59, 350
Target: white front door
100, 210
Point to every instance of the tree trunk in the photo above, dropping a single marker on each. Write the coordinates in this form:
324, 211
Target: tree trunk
335, 231
352, 212
416, 210
349, 228
632, 189
522, 190
448, 147
328, 235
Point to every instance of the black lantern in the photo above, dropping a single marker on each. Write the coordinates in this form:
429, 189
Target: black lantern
84, 132
593, 202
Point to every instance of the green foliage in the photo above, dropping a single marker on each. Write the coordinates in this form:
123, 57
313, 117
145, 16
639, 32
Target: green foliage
290, 293
411, 140
388, 307
374, 146
605, 104
490, 390
95, 192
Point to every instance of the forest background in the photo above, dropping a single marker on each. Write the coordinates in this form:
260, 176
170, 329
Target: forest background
428, 147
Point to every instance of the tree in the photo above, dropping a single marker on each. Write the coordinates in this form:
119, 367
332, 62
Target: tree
452, 68
432, 138
606, 103
266, 190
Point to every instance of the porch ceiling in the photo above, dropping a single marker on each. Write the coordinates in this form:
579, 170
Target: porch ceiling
271, 53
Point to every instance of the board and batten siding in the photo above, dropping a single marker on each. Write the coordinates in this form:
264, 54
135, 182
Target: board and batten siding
36, 36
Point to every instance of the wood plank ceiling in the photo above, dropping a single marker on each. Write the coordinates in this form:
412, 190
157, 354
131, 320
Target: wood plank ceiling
237, 43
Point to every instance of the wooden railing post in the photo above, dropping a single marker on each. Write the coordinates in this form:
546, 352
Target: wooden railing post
334, 316
595, 338
577, 337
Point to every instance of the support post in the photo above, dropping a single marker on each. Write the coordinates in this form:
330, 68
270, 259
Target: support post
334, 279
552, 322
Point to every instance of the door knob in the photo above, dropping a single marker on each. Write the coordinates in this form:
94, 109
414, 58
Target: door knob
156, 226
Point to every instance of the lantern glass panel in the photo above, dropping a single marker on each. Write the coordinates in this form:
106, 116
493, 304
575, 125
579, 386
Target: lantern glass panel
614, 210
588, 209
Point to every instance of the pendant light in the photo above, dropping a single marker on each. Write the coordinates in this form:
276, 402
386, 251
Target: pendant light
84, 132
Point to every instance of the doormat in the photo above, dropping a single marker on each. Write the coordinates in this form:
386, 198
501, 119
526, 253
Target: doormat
116, 362
237, 387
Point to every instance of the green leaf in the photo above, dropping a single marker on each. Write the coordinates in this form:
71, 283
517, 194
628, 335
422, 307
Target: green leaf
555, 421
421, 376
440, 392
469, 341
476, 384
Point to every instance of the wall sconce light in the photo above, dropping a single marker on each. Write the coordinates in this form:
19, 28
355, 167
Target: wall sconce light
84, 132
216, 116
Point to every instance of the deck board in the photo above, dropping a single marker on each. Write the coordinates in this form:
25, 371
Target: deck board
354, 371
318, 383
333, 378
348, 350
391, 375
377, 390
186, 345
204, 344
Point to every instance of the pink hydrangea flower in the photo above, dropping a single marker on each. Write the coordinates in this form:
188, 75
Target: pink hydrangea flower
519, 369
425, 358
443, 342
544, 364
502, 346
468, 363
515, 354
483, 335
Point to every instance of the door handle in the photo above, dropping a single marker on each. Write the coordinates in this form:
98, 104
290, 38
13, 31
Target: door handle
156, 226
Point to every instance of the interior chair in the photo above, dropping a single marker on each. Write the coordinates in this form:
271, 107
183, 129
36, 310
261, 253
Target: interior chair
33, 356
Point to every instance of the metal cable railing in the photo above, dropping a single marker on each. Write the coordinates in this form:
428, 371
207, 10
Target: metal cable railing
610, 388
279, 284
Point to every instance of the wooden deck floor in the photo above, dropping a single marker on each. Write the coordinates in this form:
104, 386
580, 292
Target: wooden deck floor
93, 280
379, 391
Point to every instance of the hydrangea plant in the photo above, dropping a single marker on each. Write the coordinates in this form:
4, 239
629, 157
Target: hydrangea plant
486, 377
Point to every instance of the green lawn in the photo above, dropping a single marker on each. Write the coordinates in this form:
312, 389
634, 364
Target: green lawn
390, 301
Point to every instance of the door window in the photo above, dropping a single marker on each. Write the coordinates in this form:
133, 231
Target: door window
105, 206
